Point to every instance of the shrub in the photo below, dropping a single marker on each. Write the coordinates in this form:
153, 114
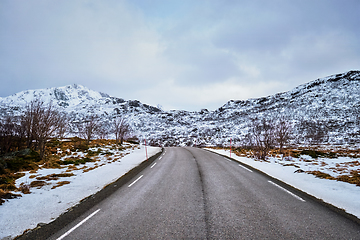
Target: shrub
54, 143
91, 153
22, 160
8, 186
2, 166
24, 188
313, 154
7, 195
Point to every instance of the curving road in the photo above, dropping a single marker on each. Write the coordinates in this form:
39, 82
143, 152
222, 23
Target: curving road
190, 193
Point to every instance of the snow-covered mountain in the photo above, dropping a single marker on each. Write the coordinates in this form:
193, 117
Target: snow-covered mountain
75, 99
331, 103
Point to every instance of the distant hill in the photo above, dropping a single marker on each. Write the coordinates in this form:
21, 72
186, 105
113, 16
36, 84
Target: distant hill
331, 103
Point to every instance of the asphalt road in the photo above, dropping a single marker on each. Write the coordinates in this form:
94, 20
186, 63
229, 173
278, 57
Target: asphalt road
191, 193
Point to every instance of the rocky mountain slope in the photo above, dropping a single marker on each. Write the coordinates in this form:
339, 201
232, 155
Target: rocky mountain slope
330, 104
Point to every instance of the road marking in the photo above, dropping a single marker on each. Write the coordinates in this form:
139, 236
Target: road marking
136, 181
78, 225
228, 159
245, 168
153, 165
292, 194
160, 157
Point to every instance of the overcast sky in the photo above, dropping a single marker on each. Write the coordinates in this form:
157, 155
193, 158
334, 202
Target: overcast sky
181, 54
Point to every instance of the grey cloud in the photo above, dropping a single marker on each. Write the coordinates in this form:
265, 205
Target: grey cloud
132, 48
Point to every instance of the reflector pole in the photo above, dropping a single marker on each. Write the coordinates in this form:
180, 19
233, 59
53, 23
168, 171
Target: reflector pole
146, 150
230, 147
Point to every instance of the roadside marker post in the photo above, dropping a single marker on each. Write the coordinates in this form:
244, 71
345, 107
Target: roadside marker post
230, 147
146, 150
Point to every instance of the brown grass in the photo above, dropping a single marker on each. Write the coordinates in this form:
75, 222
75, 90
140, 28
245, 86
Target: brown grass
89, 169
38, 184
290, 165
59, 184
52, 161
8, 181
54, 176
54, 151
353, 177
320, 174
72, 168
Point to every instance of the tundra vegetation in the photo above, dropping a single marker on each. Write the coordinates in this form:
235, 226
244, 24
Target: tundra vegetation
36, 139
272, 139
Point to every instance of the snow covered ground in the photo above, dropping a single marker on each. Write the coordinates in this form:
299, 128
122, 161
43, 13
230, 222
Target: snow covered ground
340, 194
45, 204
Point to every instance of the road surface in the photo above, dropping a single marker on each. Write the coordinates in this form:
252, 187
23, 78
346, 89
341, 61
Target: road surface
190, 193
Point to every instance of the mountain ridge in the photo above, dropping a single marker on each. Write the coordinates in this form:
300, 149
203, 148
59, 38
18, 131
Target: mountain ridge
333, 101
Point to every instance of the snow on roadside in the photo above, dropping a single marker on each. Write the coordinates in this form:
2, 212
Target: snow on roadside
340, 194
45, 204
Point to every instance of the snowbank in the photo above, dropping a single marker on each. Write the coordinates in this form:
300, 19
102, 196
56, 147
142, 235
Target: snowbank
45, 204
340, 194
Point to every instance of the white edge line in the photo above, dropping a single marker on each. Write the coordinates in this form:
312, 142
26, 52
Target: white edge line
78, 225
153, 165
245, 168
135, 180
292, 194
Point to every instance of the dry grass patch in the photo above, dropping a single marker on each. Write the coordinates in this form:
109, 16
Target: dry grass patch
75, 151
352, 164
7, 181
241, 152
72, 168
38, 184
52, 161
320, 174
352, 178
290, 165
54, 176
59, 184
89, 169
